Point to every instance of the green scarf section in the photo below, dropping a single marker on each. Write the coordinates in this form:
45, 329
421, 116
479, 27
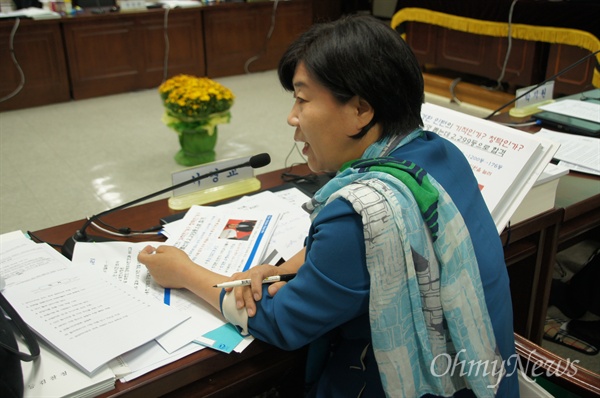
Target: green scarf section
411, 175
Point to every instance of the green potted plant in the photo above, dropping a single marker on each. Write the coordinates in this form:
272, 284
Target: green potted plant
194, 106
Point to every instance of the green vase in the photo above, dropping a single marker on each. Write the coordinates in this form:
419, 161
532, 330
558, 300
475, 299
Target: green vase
197, 147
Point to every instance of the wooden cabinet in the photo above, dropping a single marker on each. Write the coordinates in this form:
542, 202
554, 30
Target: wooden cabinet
529, 63
126, 52
475, 54
575, 80
92, 55
39, 54
237, 39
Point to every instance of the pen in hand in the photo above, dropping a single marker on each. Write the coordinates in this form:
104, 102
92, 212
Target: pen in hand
245, 282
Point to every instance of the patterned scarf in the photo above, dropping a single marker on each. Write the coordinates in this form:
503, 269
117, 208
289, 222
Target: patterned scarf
426, 297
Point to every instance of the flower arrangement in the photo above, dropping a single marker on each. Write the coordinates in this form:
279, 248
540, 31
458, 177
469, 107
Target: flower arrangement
188, 96
195, 105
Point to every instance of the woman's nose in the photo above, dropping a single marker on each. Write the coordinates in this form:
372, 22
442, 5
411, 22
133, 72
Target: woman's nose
292, 119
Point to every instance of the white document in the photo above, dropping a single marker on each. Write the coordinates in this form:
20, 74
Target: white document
506, 162
118, 260
551, 172
576, 167
225, 241
147, 358
51, 375
576, 149
580, 109
292, 227
78, 311
200, 232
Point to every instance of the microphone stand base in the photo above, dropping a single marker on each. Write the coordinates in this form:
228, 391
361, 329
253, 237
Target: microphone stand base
68, 248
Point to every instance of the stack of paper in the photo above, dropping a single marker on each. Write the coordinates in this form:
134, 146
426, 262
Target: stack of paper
77, 310
542, 195
53, 376
279, 225
84, 308
577, 152
505, 161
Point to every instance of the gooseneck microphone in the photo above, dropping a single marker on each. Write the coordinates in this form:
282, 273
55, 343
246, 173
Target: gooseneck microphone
568, 68
68, 247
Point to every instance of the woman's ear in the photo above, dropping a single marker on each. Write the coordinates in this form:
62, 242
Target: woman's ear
365, 112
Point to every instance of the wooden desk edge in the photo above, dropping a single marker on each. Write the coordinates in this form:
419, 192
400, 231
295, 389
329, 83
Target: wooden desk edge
564, 372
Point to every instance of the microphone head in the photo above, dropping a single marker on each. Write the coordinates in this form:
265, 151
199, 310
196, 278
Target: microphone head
260, 160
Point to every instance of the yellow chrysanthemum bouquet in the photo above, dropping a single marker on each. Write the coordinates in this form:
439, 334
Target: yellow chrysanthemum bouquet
194, 106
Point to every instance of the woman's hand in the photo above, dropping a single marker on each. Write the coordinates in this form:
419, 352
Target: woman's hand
246, 296
171, 267
168, 265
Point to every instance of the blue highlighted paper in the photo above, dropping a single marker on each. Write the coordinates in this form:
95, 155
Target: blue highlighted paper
225, 338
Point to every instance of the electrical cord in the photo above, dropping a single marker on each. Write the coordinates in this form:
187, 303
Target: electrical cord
11, 46
524, 124
123, 232
294, 146
568, 68
509, 47
167, 45
452, 93
587, 98
286, 176
267, 39
290, 177
126, 231
98, 227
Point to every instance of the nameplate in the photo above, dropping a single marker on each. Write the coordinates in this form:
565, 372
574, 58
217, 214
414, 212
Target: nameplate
213, 181
541, 94
132, 5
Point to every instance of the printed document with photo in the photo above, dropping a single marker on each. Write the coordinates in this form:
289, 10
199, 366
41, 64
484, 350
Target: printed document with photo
223, 240
292, 227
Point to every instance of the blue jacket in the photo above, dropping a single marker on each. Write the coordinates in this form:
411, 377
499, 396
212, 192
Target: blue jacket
327, 303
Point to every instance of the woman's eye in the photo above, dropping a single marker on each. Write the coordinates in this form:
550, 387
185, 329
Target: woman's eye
298, 99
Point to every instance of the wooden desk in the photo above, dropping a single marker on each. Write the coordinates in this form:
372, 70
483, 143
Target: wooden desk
563, 372
530, 249
577, 208
207, 372
579, 195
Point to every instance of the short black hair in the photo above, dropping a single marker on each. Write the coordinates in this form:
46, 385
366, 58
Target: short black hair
361, 55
